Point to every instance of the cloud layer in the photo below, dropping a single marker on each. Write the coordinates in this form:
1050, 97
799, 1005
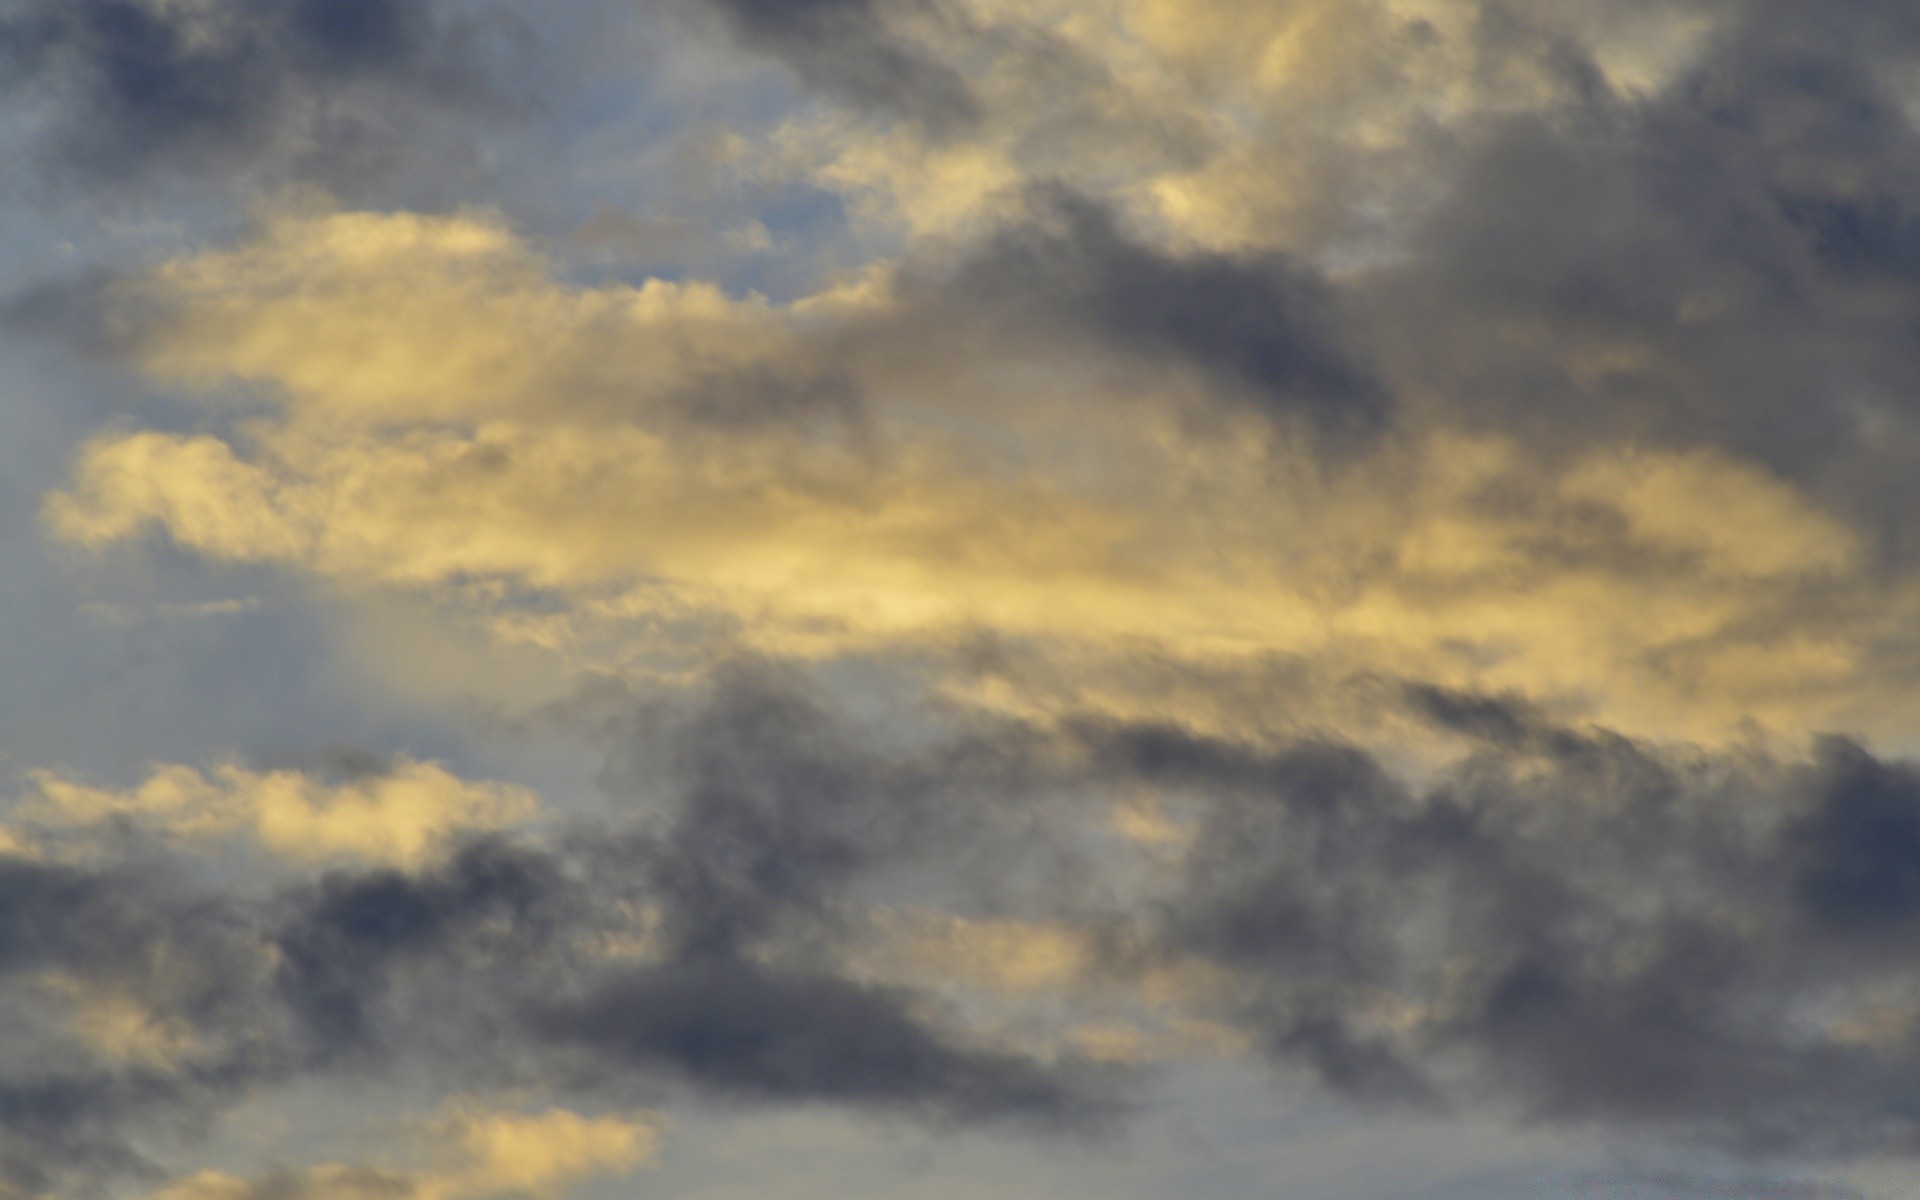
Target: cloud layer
972, 563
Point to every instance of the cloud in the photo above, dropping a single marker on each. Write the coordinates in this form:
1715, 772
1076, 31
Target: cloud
695, 942
400, 816
727, 910
1710, 263
745, 1030
540, 1154
347, 314
848, 49
484, 1153
355, 939
670, 457
1353, 517
123, 88
132, 997
1576, 928
1263, 325
1565, 925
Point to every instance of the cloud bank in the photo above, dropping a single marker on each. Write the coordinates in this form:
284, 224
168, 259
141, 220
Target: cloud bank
1364, 542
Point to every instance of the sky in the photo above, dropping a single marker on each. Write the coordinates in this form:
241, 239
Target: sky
932, 599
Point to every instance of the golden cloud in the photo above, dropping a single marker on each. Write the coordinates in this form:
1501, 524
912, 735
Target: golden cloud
1665, 593
484, 1153
400, 817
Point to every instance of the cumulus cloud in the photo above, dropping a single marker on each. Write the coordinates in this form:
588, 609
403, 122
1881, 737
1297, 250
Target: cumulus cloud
1364, 537
700, 949
653, 456
1565, 925
400, 816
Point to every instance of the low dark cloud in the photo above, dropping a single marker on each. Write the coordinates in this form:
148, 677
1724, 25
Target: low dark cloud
493, 903
140, 934
1575, 928
845, 49
512, 962
1722, 263
1856, 854
744, 1029
1266, 329
120, 89
786, 816
1566, 926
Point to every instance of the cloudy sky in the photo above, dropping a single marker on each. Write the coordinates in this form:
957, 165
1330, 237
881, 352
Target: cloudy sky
932, 599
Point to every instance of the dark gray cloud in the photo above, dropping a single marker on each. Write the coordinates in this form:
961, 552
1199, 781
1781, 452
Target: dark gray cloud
779, 1034
121, 88
785, 817
1576, 928
1723, 263
844, 49
753, 841
1266, 329
1567, 926
493, 903
131, 931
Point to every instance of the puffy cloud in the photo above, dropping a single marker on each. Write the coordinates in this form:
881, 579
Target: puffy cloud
539, 1154
1352, 513
397, 317
440, 414
1621, 588
1564, 924
696, 948
401, 816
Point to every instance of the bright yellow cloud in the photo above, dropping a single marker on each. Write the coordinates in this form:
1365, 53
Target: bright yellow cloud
396, 317
401, 817
1667, 594
482, 1154
123, 1028
539, 1154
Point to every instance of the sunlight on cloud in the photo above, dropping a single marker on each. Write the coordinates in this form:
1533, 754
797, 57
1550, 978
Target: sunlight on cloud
1226, 123
397, 317
483, 1154
122, 1028
401, 816
1054, 987
541, 1154
1618, 586
1024, 558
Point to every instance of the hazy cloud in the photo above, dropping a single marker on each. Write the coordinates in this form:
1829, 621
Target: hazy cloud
122, 88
